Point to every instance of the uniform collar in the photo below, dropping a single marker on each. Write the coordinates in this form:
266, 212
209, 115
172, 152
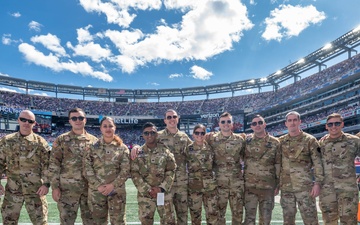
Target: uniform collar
30, 137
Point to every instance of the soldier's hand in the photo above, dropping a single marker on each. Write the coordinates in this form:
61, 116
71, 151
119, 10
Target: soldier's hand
2, 190
56, 194
108, 188
134, 152
208, 136
43, 190
315, 191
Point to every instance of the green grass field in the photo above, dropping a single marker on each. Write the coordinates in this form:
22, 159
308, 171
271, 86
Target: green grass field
132, 210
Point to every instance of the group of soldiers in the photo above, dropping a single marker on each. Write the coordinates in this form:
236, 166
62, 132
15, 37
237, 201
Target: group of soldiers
174, 174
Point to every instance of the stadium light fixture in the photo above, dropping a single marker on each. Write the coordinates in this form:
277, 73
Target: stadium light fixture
327, 46
356, 29
264, 79
252, 81
278, 72
301, 61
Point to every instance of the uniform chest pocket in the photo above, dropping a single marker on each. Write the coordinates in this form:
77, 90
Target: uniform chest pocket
232, 148
159, 160
157, 164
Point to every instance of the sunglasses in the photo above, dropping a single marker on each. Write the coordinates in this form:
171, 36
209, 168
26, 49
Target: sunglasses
337, 124
171, 117
256, 123
197, 133
225, 121
74, 118
151, 133
24, 120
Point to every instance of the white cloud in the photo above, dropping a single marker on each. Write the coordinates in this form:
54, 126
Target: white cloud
84, 34
53, 62
33, 25
200, 73
16, 14
208, 29
252, 2
50, 42
7, 89
116, 11
153, 84
91, 50
288, 21
86, 46
175, 75
6, 39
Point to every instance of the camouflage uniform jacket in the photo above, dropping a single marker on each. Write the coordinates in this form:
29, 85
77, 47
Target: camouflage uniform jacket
153, 168
25, 160
300, 155
66, 169
200, 167
107, 163
228, 155
338, 157
177, 144
262, 162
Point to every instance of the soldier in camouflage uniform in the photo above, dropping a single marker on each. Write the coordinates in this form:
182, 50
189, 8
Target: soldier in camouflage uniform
176, 141
339, 195
300, 153
202, 183
107, 167
229, 152
261, 172
25, 158
153, 172
66, 170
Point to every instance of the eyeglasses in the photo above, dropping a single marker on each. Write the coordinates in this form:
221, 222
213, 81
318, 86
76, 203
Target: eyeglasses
256, 123
337, 124
24, 120
74, 118
197, 133
171, 117
225, 121
151, 133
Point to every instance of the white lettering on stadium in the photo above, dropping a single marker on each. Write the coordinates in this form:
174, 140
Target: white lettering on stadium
210, 115
126, 121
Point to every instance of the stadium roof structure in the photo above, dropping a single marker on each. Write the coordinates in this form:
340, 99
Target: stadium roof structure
344, 44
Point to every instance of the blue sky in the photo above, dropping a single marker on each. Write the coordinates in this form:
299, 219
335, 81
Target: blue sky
152, 44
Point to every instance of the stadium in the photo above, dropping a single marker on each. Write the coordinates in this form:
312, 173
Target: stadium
334, 87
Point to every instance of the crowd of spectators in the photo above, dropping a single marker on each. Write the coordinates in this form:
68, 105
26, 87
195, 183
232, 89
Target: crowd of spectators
255, 102
250, 102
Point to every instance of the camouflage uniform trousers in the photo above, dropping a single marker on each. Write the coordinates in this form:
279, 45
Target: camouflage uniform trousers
35, 205
210, 200
147, 207
233, 194
103, 206
68, 206
262, 197
341, 205
180, 195
307, 207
